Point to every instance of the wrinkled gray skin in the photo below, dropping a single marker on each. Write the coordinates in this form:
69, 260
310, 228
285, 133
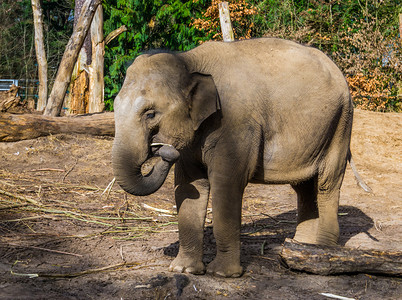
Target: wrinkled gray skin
264, 110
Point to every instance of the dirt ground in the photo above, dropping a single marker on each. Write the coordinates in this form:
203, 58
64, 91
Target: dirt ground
58, 226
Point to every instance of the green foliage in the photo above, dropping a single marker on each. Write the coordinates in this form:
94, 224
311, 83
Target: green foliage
326, 18
360, 36
150, 24
356, 34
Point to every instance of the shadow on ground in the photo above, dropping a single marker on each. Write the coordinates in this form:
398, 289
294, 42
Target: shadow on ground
265, 236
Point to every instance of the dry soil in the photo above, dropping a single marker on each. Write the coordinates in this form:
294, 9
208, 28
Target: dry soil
58, 226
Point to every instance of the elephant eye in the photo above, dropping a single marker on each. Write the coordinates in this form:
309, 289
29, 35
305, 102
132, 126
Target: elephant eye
150, 114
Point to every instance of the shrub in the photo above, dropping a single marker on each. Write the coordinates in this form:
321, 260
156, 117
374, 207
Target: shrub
371, 61
240, 12
150, 25
362, 39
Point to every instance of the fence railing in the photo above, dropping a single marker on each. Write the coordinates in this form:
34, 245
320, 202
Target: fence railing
28, 87
5, 84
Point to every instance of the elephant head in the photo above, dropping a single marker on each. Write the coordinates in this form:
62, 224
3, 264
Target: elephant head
157, 112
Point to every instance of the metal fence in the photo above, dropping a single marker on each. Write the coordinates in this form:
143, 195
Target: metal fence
28, 87
5, 84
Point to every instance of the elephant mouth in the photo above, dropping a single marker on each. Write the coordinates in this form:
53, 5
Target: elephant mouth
166, 151
155, 147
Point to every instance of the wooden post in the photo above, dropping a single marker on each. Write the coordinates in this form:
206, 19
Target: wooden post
96, 82
226, 25
40, 54
73, 47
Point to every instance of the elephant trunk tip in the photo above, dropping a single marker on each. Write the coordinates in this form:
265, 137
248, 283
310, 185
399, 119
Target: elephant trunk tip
130, 177
167, 152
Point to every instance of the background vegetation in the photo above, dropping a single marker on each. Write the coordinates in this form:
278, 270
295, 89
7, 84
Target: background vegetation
17, 49
360, 36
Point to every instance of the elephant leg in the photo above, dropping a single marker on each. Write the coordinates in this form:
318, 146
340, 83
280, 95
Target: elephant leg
329, 183
307, 211
328, 192
328, 226
226, 208
191, 200
330, 176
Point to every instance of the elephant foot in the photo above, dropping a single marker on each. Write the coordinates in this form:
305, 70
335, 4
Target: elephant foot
224, 268
310, 232
185, 264
327, 238
306, 232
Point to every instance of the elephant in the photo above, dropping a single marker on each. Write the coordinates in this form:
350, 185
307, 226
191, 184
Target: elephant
225, 114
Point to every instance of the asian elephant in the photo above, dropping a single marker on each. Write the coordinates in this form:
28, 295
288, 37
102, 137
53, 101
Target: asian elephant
264, 110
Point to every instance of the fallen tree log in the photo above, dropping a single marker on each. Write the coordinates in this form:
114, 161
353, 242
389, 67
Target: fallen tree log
331, 260
14, 127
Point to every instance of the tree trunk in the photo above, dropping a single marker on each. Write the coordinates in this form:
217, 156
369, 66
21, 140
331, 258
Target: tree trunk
77, 100
226, 24
327, 260
73, 47
79, 91
96, 82
86, 87
29, 126
40, 54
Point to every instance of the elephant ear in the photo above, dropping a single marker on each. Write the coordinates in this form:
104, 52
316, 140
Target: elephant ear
204, 98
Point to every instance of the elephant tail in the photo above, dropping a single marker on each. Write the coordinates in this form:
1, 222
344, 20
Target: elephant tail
359, 180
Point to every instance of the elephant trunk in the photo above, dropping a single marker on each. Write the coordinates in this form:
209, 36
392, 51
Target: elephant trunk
127, 168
